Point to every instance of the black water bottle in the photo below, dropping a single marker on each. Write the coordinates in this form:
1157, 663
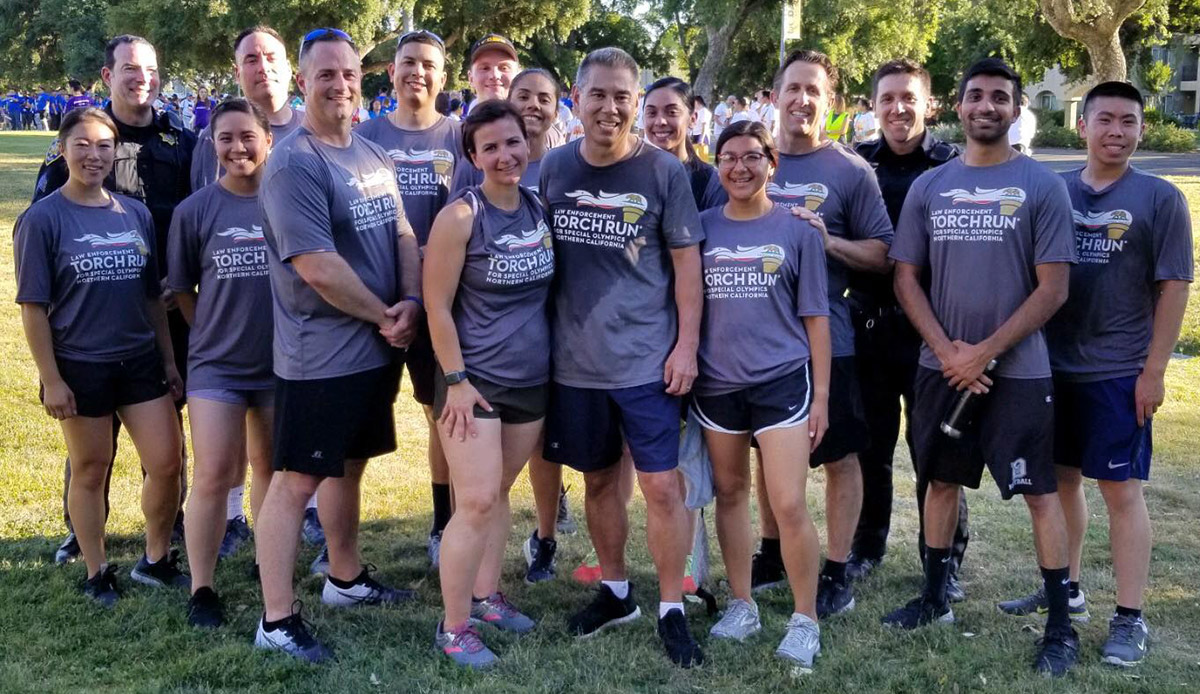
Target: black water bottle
962, 415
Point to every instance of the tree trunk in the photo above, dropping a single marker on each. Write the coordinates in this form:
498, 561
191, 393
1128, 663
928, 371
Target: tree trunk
719, 37
1108, 60
1095, 24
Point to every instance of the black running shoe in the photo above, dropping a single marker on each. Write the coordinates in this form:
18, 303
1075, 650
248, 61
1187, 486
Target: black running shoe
204, 609
1057, 652
68, 551
918, 613
766, 573
858, 568
682, 649
103, 586
833, 598
539, 556
604, 611
164, 572
954, 589
237, 531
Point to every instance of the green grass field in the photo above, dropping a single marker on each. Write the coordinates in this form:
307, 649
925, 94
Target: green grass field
53, 639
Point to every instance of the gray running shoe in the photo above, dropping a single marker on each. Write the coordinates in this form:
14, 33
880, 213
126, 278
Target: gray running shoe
237, 531
294, 637
1036, 602
564, 523
739, 622
320, 565
364, 591
539, 557
311, 531
802, 642
435, 551
1128, 640
68, 551
162, 573
464, 647
496, 610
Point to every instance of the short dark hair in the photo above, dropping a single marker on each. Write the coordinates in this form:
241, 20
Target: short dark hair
609, 56
749, 128
257, 29
991, 67
532, 72
239, 105
326, 35
682, 89
807, 56
1121, 90
486, 112
110, 50
422, 36
76, 116
741, 101
75, 84
901, 67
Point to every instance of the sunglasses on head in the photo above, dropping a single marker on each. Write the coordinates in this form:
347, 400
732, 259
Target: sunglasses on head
318, 34
422, 35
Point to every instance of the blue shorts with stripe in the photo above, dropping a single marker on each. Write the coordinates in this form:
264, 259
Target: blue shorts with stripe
778, 404
1096, 429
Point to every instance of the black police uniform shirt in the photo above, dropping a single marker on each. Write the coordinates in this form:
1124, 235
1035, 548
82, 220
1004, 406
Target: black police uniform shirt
896, 173
152, 165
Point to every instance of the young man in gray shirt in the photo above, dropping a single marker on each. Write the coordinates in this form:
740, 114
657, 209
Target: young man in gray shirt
1109, 348
990, 235
345, 276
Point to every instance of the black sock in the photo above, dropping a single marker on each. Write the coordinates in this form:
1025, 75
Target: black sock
347, 584
769, 548
835, 570
1074, 589
272, 626
1128, 612
441, 508
937, 571
1056, 582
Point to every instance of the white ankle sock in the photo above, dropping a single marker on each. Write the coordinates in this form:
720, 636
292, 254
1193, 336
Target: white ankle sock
665, 607
235, 501
312, 501
619, 588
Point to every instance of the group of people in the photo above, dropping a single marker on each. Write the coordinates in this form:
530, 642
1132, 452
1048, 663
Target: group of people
563, 301
43, 109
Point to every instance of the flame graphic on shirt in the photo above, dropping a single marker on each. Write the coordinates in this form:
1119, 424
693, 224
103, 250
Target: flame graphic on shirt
632, 204
117, 238
1114, 222
539, 236
377, 177
772, 256
238, 234
441, 159
1010, 199
813, 193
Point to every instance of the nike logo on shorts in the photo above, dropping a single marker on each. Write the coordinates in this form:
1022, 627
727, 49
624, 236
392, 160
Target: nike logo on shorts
793, 408
1114, 467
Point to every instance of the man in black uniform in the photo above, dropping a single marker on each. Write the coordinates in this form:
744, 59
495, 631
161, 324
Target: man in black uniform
152, 164
886, 344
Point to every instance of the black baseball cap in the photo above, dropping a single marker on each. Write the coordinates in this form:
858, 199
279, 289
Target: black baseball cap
493, 42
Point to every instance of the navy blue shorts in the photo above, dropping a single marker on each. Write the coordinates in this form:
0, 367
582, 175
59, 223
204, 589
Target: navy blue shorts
585, 427
778, 404
1096, 430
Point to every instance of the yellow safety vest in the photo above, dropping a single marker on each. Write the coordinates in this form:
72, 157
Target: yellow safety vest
837, 125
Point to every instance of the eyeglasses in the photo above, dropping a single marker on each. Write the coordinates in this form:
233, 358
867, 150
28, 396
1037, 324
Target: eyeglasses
749, 159
422, 36
318, 34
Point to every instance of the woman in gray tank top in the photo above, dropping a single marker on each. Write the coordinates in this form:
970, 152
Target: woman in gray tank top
488, 268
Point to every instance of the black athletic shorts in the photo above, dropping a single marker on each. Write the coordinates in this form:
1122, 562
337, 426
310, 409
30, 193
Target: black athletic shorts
510, 405
1013, 435
101, 387
423, 371
847, 431
778, 404
319, 424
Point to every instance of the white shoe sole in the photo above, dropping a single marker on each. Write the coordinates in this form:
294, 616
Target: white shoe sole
730, 637
1114, 660
637, 612
528, 553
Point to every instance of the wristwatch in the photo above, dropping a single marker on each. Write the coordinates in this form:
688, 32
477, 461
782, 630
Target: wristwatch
453, 377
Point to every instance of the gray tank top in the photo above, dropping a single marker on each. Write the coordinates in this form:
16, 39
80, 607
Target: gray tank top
500, 308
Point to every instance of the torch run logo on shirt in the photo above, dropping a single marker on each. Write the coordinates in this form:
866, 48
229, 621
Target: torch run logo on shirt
239, 235
813, 193
1010, 199
441, 160
772, 256
116, 240
539, 236
1114, 222
376, 178
632, 205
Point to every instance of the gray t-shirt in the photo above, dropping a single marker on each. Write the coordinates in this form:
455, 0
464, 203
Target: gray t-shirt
425, 162
614, 317
713, 193
216, 243
205, 168
500, 308
317, 198
978, 232
1129, 236
761, 277
840, 186
94, 268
